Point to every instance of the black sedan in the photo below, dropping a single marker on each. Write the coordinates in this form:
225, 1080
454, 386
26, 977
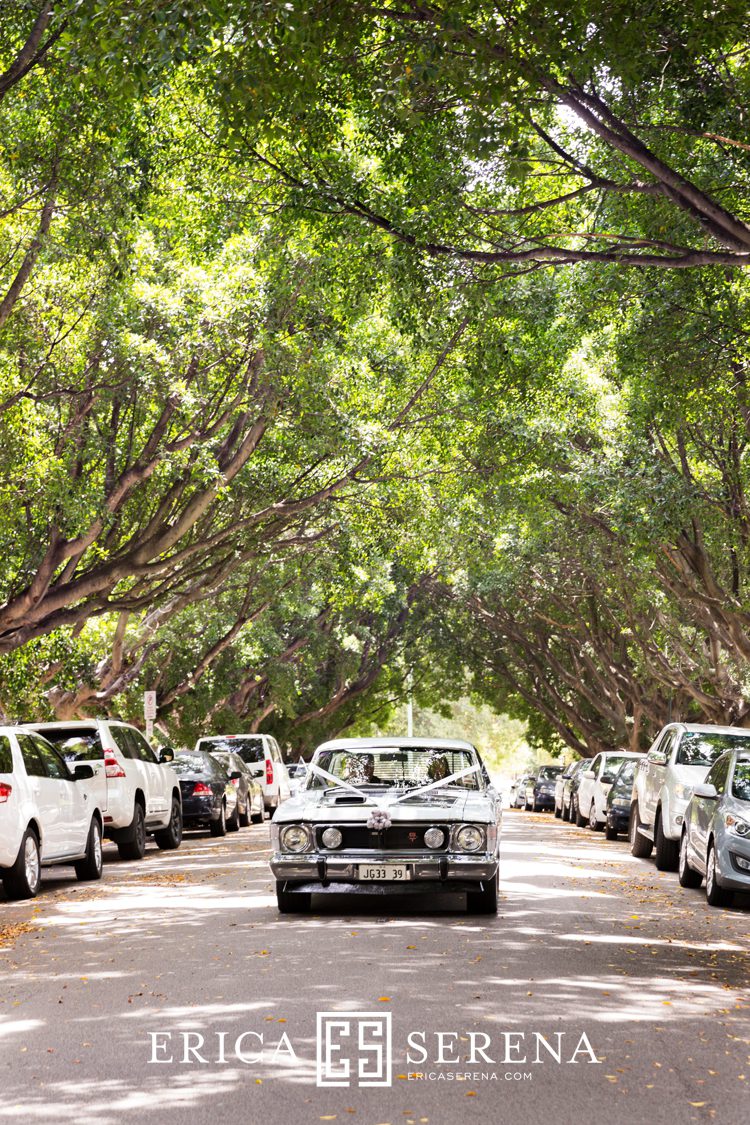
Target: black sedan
250, 805
618, 800
208, 796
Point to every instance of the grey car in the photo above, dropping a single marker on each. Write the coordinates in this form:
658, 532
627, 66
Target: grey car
715, 840
390, 815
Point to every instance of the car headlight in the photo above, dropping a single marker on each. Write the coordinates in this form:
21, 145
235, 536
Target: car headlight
331, 838
469, 838
434, 837
294, 838
741, 827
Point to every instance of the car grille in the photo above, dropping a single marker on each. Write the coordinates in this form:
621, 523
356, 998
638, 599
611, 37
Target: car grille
399, 837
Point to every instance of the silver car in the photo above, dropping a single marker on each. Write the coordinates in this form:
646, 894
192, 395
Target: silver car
715, 840
390, 815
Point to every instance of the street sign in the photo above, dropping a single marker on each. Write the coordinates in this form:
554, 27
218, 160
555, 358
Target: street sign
149, 705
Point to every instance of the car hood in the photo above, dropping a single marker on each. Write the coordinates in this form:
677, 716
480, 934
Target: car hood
330, 805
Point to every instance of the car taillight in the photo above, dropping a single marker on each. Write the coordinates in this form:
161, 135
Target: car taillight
235, 782
112, 767
5, 792
269, 772
200, 789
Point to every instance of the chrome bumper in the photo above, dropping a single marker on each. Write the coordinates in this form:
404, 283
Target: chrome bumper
316, 867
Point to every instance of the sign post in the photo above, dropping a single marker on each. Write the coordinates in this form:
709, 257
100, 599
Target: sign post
149, 712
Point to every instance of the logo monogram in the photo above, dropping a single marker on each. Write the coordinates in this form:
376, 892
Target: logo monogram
354, 1049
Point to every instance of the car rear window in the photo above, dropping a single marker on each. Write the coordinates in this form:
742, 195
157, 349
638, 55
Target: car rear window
6, 756
75, 745
699, 748
547, 773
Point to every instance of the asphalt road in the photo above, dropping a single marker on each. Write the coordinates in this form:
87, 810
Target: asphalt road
588, 942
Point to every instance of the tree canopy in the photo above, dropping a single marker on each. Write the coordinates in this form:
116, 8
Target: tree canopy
349, 345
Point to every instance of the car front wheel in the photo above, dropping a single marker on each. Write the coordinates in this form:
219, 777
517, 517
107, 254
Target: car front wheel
610, 832
483, 901
715, 894
292, 902
579, 818
594, 824
687, 876
23, 878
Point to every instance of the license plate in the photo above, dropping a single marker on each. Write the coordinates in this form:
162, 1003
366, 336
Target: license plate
385, 872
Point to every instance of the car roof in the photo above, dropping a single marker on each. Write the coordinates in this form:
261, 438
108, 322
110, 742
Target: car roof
389, 741
703, 728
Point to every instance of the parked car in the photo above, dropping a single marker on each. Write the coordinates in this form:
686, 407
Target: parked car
209, 799
48, 813
298, 774
617, 807
250, 806
394, 815
715, 838
262, 753
595, 785
679, 759
540, 788
137, 791
518, 800
568, 781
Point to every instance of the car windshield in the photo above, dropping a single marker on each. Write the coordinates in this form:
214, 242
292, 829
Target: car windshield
396, 766
699, 748
741, 781
547, 773
249, 748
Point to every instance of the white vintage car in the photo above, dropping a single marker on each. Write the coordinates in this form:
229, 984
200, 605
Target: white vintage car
390, 815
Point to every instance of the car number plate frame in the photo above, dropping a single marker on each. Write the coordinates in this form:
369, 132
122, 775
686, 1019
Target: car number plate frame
384, 872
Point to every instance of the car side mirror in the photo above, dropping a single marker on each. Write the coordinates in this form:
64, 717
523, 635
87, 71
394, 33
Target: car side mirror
706, 790
608, 778
658, 757
82, 772
235, 775
589, 773
166, 754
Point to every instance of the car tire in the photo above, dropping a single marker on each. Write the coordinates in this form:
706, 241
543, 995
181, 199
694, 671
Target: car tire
666, 851
688, 878
484, 901
90, 867
640, 845
580, 819
233, 821
535, 806
610, 832
527, 807
135, 846
292, 902
245, 816
594, 824
23, 878
170, 838
558, 812
218, 827
566, 813
257, 817
716, 895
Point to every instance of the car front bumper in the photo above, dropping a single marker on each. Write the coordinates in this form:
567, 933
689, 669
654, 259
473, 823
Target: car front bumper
618, 819
427, 872
731, 852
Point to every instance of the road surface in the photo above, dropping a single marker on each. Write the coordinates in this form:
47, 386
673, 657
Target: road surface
594, 955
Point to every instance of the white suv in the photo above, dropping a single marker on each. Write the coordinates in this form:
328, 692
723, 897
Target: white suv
595, 784
679, 759
262, 753
48, 814
137, 792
